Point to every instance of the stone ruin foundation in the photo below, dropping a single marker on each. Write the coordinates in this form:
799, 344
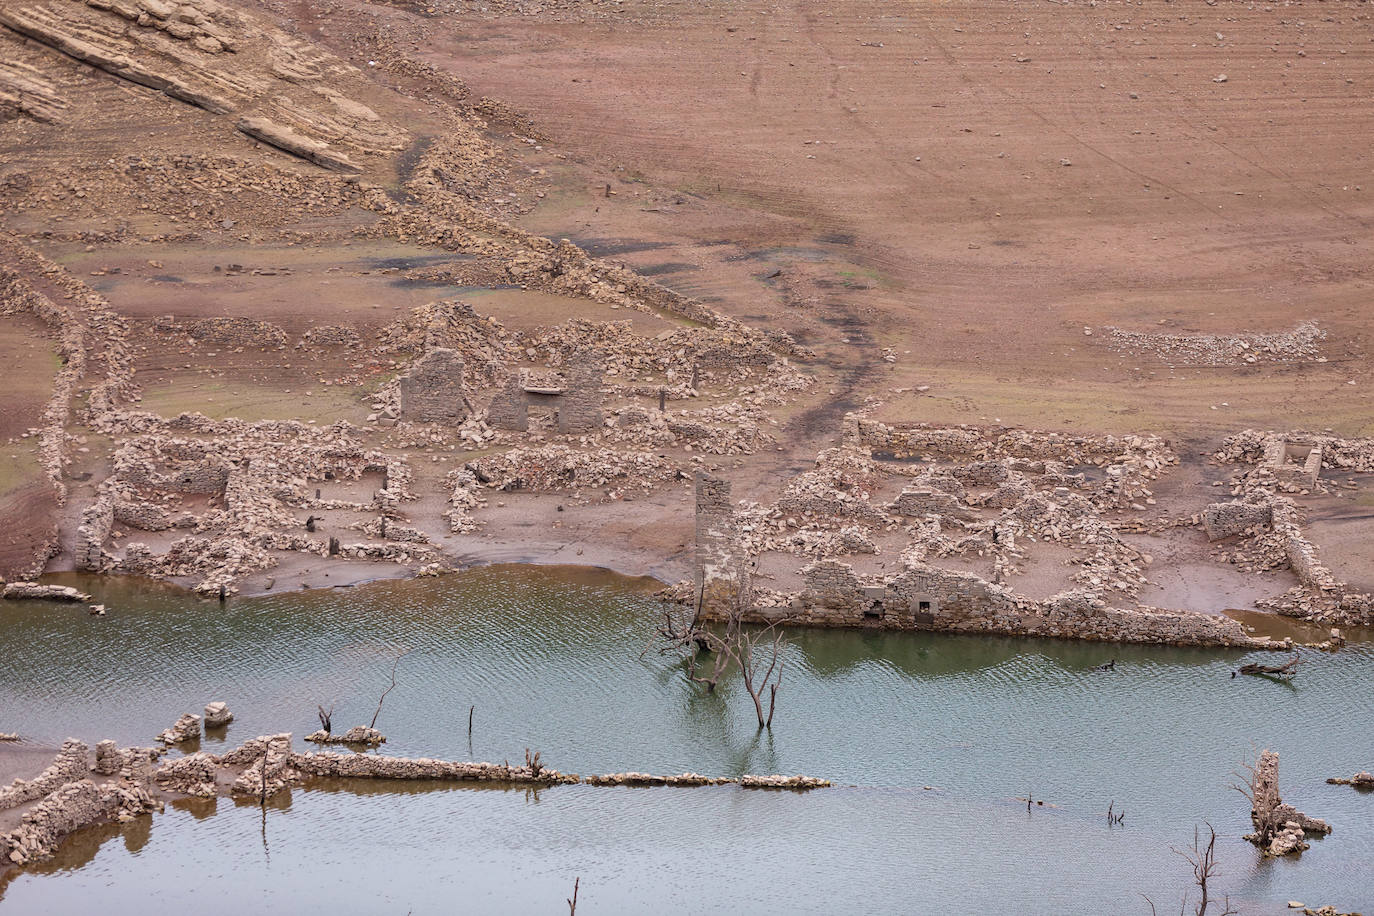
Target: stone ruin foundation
1294, 461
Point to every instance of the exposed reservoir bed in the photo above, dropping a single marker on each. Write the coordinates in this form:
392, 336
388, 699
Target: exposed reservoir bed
551, 660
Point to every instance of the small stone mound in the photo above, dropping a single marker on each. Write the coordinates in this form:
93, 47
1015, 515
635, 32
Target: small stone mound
185, 728
358, 734
1361, 780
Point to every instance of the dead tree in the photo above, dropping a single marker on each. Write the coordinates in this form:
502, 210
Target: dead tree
758, 654
745, 651
1287, 669
326, 718
1202, 858
382, 698
572, 901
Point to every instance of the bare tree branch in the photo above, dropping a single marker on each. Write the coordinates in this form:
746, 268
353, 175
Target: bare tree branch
400, 655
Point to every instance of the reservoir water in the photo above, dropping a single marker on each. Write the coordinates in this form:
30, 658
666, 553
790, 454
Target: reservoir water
934, 741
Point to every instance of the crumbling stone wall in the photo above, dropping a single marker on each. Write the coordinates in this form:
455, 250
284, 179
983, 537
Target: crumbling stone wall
433, 391
1294, 461
722, 569
227, 331
912, 439
924, 597
577, 402
146, 516
920, 501
1301, 553
981, 473
97, 520
1221, 520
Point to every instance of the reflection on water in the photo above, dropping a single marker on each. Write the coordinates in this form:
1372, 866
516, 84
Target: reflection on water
551, 661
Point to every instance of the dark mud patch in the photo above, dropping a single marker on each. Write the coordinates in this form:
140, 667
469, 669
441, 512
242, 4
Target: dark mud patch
670, 267
603, 248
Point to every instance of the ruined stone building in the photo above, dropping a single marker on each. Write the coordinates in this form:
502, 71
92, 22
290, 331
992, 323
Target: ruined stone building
1294, 461
573, 397
433, 390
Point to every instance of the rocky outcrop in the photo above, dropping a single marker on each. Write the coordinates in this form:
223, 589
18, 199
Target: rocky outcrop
288, 140
217, 715
24, 90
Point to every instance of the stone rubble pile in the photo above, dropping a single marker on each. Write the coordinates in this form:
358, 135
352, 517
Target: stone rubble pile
358, 734
464, 498
839, 487
1362, 780
184, 729
225, 332
1298, 345
483, 342
561, 468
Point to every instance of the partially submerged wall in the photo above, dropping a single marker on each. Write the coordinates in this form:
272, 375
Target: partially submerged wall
927, 598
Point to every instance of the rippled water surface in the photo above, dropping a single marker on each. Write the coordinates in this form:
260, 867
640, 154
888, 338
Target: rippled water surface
933, 736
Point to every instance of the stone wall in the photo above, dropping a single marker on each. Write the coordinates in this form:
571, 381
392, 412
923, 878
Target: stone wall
433, 391
963, 442
1301, 553
928, 598
146, 516
581, 407
921, 501
97, 520
1221, 520
576, 402
1294, 461
722, 569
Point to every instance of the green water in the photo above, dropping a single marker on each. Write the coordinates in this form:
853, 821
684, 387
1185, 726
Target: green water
551, 661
